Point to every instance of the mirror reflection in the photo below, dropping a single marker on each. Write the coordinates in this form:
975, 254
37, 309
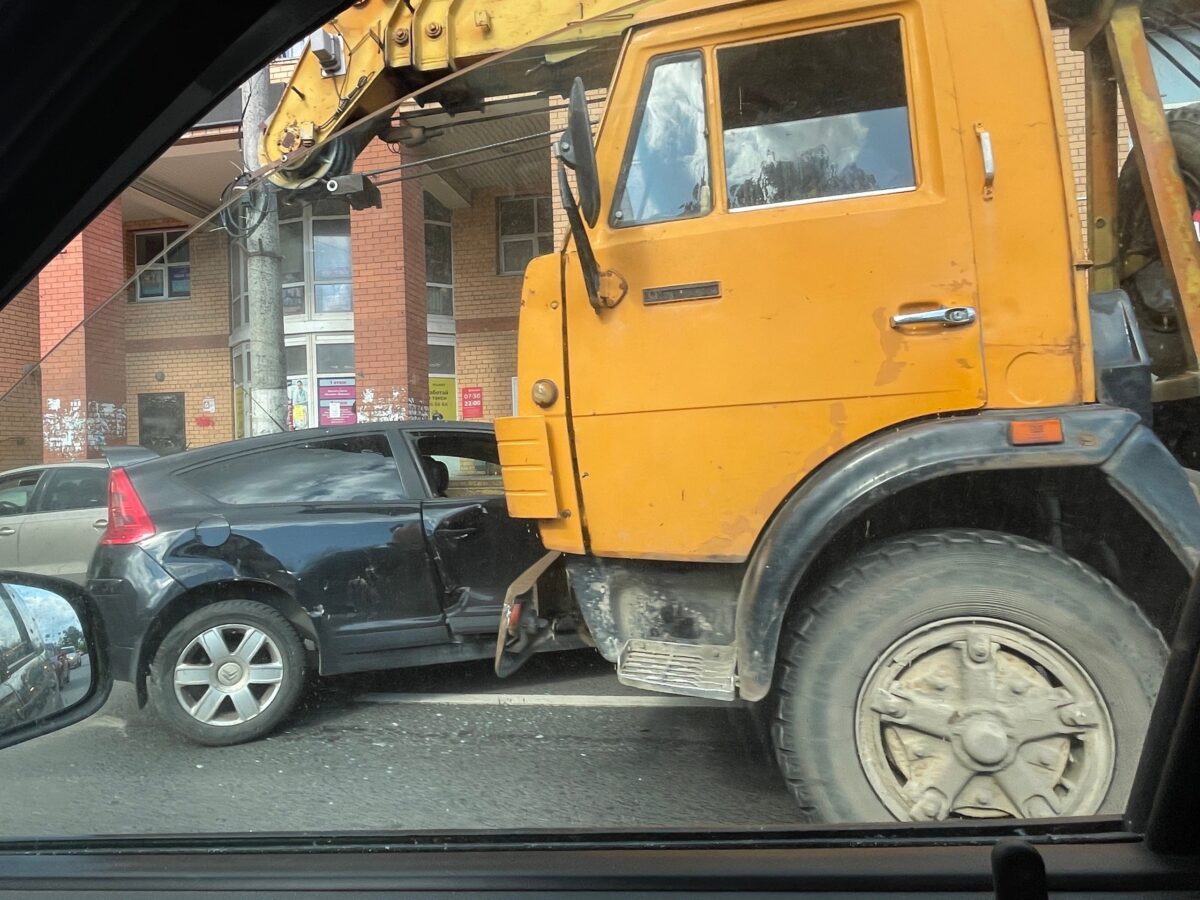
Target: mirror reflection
45, 666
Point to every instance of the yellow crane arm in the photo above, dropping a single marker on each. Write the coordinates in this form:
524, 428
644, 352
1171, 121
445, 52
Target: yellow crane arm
377, 51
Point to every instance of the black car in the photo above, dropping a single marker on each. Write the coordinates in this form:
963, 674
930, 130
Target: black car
29, 679
228, 572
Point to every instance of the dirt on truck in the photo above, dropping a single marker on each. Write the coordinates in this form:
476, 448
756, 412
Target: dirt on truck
825, 405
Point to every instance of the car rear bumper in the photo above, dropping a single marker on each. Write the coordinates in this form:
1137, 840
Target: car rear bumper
130, 589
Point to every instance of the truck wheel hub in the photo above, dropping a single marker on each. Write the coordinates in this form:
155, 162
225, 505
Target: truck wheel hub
981, 718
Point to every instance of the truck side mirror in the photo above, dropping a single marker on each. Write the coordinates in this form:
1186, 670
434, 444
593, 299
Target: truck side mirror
577, 152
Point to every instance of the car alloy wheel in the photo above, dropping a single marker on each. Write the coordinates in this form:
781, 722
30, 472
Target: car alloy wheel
228, 674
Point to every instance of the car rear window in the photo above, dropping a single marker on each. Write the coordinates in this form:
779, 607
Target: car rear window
357, 469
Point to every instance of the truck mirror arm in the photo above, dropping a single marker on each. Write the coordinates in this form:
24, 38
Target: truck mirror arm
583, 245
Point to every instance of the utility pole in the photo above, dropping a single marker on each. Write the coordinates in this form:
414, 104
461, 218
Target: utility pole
268, 362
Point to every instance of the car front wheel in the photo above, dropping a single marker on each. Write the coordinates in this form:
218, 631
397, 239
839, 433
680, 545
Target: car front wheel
228, 673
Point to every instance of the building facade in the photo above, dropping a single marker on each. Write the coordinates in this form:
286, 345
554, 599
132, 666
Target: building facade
406, 310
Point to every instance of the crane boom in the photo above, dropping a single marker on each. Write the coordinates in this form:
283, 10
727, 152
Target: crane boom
377, 51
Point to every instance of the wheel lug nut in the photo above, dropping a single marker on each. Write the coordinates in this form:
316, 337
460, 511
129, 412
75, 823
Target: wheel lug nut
983, 798
978, 650
931, 808
1019, 687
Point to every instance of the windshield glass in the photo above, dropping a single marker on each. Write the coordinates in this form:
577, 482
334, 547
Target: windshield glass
459, 508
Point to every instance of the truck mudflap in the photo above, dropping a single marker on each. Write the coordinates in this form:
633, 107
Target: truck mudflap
1113, 440
522, 630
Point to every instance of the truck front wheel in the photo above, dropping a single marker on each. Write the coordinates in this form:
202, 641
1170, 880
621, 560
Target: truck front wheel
966, 674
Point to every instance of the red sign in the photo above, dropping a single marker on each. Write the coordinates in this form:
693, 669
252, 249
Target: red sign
472, 403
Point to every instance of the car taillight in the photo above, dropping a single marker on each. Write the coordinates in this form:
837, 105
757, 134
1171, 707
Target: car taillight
128, 521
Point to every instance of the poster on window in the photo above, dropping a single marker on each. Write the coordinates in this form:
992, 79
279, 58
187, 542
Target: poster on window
441, 398
336, 401
298, 416
472, 403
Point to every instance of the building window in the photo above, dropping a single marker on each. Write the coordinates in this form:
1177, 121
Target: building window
443, 383
162, 276
439, 260
315, 270
815, 116
525, 226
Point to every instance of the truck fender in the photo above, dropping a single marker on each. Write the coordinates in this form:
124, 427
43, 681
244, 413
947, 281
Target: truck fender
1135, 462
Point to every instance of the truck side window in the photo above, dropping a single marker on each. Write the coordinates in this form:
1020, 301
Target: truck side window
666, 173
815, 116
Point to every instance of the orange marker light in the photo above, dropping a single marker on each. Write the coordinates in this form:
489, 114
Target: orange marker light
1035, 431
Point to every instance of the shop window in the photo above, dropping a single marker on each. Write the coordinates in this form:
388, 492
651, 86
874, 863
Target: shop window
666, 173
526, 229
164, 263
321, 381
815, 116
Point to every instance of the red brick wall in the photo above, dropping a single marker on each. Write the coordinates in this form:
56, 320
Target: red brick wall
391, 352
83, 378
20, 410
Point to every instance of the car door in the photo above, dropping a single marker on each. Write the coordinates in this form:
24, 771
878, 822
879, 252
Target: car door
16, 491
329, 519
28, 686
479, 549
790, 183
69, 513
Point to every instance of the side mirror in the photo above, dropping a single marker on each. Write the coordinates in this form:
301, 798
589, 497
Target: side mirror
577, 152
41, 619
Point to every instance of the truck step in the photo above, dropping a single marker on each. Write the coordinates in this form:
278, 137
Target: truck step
679, 668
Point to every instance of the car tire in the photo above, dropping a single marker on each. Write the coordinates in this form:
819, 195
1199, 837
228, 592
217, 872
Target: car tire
228, 673
964, 674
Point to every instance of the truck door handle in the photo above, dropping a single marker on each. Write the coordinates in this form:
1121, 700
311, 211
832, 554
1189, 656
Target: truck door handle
6, 531
946, 316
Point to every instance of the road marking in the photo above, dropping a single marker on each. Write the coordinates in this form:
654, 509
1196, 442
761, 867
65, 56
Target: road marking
602, 700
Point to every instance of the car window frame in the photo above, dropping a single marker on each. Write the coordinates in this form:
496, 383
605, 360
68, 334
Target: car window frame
38, 497
302, 437
410, 439
34, 494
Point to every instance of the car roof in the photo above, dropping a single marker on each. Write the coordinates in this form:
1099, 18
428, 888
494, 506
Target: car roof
216, 451
83, 463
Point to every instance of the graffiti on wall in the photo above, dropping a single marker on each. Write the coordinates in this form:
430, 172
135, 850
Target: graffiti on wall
69, 431
393, 406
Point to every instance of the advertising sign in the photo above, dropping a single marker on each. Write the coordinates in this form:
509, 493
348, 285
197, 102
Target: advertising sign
336, 401
472, 403
441, 398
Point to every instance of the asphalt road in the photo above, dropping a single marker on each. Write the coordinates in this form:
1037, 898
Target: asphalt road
560, 745
81, 679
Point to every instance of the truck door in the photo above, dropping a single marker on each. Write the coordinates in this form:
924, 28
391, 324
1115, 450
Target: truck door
785, 209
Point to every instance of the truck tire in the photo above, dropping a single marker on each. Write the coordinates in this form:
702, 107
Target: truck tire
960, 673
1148, 286
228, 673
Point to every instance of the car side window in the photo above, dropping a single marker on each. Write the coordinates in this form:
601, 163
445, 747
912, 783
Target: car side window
75, 488
15, 491
815, 116
460, 465
666, 172
352, 469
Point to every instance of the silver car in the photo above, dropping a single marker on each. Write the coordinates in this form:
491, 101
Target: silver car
52, 517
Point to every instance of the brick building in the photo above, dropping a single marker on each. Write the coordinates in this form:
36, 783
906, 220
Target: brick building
401, 311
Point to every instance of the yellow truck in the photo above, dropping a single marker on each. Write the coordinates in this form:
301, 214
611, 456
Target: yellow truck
824, 403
